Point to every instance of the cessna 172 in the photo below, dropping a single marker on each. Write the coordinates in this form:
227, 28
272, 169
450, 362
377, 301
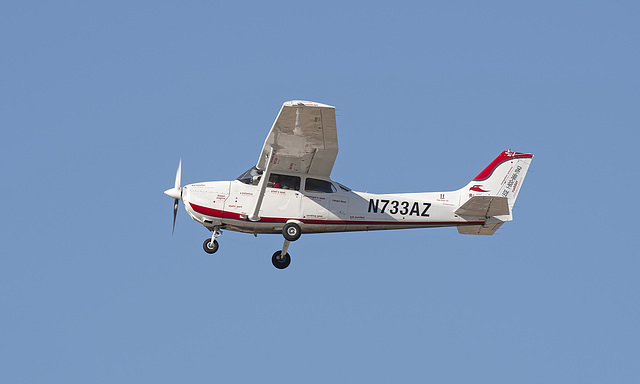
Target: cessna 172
289, 191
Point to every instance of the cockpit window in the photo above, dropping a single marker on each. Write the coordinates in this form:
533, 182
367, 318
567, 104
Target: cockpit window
251, 177
322, 186
284, 182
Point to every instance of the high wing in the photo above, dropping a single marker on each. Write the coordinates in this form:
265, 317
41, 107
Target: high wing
303, 139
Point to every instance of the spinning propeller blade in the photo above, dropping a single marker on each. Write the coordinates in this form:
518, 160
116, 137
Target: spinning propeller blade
176, 193
175, 213
178, 176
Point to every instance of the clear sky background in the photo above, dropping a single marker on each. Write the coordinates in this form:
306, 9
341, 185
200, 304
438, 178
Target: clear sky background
99, 101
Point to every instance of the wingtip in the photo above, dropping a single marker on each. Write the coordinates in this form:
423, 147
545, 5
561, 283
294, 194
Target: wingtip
304, 103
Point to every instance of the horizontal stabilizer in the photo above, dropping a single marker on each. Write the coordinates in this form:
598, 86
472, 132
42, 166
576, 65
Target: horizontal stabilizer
484, 206
488, 229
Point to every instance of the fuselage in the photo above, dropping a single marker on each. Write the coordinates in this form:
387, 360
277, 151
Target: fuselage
317, 205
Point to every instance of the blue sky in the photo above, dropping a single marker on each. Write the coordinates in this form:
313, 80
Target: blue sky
99, 101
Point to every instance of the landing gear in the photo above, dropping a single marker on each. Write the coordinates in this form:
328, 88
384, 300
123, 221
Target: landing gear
211, 244
291, 231
279, 261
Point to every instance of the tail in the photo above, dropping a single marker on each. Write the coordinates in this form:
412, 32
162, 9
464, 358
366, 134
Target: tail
492, 194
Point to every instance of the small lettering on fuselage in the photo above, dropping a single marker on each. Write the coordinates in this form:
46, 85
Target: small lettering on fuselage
393, 207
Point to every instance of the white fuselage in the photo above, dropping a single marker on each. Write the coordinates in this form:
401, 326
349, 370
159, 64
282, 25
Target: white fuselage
229, 204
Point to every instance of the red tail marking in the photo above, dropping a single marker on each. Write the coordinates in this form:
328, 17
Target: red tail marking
477, 188
504, 156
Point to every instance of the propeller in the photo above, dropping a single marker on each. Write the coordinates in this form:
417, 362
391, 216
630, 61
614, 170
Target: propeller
176, 194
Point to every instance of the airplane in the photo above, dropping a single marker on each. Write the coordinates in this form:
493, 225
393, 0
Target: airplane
290, 192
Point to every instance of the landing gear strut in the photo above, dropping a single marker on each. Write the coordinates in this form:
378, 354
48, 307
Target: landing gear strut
211, 244
291, 232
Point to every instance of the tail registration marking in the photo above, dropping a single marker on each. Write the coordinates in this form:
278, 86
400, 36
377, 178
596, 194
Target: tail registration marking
401, 207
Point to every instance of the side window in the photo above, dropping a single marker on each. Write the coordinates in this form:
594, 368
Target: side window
322, 186
284, 182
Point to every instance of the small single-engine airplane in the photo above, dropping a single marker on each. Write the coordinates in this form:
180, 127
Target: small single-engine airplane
289, 191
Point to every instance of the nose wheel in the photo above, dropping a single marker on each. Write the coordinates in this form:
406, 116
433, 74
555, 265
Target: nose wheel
211, 245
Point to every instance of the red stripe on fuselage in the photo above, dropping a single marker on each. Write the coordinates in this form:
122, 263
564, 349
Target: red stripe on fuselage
236, 216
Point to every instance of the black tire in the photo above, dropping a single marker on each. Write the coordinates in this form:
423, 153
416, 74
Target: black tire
281, 262
291, 231
208, 248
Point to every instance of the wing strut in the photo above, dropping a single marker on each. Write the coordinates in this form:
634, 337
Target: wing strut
262, 186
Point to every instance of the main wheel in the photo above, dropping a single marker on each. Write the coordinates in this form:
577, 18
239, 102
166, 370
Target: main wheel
279, 261
210, 248
291, 231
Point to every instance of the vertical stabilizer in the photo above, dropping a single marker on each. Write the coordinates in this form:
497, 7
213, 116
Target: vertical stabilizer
502, 178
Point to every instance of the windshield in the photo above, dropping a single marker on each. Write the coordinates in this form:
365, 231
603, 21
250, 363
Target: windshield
251, 176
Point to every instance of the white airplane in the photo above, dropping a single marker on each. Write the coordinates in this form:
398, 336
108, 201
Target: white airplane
289, 191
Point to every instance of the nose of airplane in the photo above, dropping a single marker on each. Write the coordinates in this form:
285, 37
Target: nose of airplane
173, 193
